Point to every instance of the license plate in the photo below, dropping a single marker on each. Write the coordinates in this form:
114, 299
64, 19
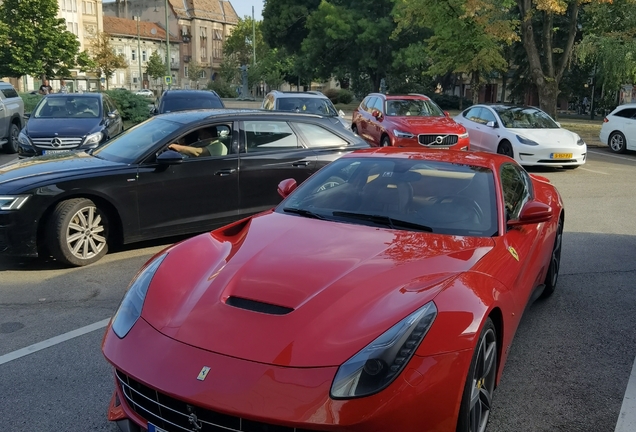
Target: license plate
153, 428
561, 156
54, 151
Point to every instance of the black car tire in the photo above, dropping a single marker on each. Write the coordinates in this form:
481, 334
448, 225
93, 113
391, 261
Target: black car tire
12, 145
354, 129
385, 142
505, 148
77, 232
486, 345
617, 142
552, 277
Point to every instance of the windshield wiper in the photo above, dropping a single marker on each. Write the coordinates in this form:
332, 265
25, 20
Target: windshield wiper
384, 220
305, 213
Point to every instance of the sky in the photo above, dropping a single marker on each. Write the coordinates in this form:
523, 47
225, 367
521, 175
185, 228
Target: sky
244, 7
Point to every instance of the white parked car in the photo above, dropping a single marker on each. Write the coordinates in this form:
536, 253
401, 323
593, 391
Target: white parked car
145, 93
619, 129
527, 134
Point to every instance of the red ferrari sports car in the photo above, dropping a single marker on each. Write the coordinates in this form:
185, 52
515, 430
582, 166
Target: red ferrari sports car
381, 295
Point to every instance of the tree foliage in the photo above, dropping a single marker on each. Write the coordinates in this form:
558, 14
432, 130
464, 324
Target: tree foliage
104, 58
284, 23
194, 72
156, 67
33, 41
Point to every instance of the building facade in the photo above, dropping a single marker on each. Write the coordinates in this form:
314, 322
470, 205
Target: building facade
137, 41
201, 26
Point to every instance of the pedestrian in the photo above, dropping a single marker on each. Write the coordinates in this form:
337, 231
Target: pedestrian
45, 88
63, 88
586, 103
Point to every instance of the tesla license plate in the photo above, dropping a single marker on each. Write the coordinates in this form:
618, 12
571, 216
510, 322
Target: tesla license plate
153, 428
561, 156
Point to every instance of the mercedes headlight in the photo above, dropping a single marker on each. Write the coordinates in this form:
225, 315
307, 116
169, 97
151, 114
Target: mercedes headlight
130, 308
380, 362
24, 139
92, 140
12, 202
402, 134
526, 141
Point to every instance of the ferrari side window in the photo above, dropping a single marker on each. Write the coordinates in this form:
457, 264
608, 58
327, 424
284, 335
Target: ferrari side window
515, 190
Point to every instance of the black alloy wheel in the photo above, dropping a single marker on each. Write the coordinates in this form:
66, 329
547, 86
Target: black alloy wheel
386, 141
14, 132
505, 148
552, 276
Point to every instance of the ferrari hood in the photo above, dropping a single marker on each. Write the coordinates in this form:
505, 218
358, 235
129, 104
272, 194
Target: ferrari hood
291, 291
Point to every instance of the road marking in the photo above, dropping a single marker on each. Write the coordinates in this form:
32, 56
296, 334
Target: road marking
627, 417
614, 156
53, 341
597, 172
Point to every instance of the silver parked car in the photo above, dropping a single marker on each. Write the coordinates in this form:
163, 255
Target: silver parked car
11, 117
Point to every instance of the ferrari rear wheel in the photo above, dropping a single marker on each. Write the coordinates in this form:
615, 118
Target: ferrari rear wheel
552, 277
480, 383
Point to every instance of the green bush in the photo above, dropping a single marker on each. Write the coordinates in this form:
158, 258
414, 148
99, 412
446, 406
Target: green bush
449, 102
222, 88
30, 101
333, 94
133, 108
345, 96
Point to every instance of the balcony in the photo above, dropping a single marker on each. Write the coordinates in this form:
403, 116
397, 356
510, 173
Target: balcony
174, 65
187, 59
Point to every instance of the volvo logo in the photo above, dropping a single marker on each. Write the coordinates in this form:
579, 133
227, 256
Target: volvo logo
56, 142
440, 139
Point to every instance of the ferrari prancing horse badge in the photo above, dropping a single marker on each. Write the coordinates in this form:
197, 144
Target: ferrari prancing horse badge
513, 252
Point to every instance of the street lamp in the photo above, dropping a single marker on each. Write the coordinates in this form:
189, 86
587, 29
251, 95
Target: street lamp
168, 73
138, 18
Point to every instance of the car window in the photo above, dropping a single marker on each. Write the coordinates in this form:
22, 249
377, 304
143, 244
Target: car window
317, 136
524, 118
215, 140
403, 194
516, 189
363, 104
182, 103
269, 103
133, 143
67, 107
412, 107
473, 114
626, 113
311, 105
378, 104
487, 116
370, 103
265, 135
9, 92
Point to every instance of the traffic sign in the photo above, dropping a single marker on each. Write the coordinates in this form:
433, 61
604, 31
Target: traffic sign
168, 79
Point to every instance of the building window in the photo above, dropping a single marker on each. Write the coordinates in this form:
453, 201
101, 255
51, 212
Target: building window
69, 5
74, 5
143, 56
134, 54
88, 7
185, 71
75, 30
204, 43
202, 74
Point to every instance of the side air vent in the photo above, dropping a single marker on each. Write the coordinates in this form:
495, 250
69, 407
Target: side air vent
256, 306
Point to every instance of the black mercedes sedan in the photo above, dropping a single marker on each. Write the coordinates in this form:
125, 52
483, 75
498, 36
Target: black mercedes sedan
174, 174
67, 121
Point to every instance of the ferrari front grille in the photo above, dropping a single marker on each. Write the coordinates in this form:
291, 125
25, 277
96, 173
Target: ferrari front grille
257, 306
437, 140
173, 415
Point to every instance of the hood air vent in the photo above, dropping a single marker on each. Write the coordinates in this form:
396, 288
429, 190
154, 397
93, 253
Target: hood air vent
256, 306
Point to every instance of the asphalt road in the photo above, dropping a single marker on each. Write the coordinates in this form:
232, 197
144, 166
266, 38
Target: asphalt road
568, 368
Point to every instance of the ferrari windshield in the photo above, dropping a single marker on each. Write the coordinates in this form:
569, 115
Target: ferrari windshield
398, 193
524, 118
130, 145
321, 106
412, 107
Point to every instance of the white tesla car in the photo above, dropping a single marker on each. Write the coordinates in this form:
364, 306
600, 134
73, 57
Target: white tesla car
527, 134
619, 128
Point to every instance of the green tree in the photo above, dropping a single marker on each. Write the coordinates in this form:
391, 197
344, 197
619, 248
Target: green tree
240, 45
194, 72
156, 67
284, 23
33, 41
104, 58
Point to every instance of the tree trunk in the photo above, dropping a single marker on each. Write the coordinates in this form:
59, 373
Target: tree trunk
475, 85
548, 95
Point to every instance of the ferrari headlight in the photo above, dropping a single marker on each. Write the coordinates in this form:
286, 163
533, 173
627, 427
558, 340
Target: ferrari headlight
526, 141
92, 140
380, 362
12, 202
402, 134
130, 308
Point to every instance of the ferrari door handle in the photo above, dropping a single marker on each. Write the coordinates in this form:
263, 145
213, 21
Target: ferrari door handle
225, 172
301, 164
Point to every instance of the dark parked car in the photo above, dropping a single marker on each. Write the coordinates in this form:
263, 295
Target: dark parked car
61, 122
309, 102
134, 187
182, 100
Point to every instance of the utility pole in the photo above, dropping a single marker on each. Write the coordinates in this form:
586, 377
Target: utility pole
253, 36
168, 73
141, 74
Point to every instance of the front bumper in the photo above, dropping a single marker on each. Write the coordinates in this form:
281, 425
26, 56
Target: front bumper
532, 156
18, 233
239, 395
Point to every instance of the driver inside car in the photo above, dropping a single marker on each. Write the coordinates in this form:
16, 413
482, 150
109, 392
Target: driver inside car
207, 144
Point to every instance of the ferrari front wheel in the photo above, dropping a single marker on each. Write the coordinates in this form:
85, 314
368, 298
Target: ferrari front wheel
480, 383
555, 263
